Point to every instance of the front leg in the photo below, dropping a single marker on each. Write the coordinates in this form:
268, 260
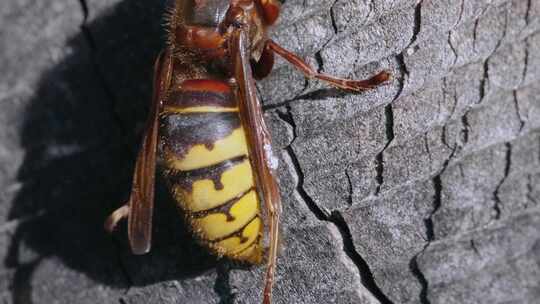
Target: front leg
309, 72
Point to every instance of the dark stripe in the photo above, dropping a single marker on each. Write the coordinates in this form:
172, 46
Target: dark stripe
237, 233
224, 208
188, 99
248, 247
180, 132
185, 179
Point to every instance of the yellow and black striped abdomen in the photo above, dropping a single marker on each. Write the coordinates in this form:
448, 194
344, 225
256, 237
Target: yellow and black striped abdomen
208, 168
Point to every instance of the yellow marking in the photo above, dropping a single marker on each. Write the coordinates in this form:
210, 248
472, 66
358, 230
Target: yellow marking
215, 225
233, 245
199, 156
254, 254
200, 109
237, 179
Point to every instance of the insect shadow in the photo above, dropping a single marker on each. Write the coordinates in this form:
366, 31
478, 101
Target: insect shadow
80, 134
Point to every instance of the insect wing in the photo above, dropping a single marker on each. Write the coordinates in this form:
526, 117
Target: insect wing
259, 144
141, 201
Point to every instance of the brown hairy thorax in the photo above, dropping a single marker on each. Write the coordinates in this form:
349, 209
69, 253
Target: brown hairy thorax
201, 28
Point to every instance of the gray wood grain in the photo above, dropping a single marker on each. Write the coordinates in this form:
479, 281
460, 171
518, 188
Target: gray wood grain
425, 190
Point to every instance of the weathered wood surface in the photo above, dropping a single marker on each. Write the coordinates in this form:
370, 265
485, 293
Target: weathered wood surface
422, 191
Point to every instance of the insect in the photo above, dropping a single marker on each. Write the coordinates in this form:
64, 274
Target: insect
206, 124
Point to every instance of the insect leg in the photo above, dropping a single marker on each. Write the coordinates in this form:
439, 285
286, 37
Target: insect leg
273, 209
116, 217
347, 84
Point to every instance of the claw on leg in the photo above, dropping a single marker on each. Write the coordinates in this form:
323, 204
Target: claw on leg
115, 217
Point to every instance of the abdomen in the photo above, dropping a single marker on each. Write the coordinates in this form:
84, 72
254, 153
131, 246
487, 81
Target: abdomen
208, 169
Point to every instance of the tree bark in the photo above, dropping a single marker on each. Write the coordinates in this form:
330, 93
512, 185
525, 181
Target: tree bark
424, 190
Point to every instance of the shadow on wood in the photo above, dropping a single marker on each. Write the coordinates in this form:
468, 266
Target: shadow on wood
80, 135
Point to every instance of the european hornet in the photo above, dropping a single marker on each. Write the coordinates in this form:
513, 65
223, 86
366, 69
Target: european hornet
206, 123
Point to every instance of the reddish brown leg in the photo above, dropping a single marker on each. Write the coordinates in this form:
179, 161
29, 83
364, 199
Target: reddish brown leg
273, 208
347, 84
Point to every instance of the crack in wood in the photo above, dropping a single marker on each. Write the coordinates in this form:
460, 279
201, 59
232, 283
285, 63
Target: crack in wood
333, 17
350, 198
518, 111
430, 230
379, 158
366, 276
417, 23
415, 270
496, 193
